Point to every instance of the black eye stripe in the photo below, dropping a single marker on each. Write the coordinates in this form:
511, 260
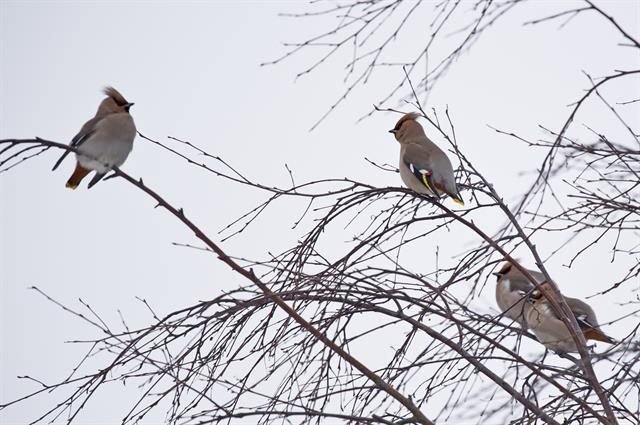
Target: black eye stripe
399, 125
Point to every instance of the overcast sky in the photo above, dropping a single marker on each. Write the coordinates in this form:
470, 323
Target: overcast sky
193, 71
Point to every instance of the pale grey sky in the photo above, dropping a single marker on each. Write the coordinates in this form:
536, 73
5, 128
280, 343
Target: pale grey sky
192, 68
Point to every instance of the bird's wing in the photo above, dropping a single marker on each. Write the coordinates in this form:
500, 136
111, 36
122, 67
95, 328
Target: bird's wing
585, 322
416, 158
591, 330
85, 132
420, 160
95, 179
585, 315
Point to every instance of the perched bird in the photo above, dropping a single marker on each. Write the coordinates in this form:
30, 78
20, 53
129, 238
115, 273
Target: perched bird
424, 167
104, 141
512, 288
551, 331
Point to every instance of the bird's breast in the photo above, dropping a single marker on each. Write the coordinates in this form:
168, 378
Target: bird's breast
109, 145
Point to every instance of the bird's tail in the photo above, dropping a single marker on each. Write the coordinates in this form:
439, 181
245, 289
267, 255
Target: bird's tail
457, 199
598, 335
78, 174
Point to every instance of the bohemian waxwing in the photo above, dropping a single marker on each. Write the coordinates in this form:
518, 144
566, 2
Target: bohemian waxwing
104, 141
512, 288
424, 167
551, 331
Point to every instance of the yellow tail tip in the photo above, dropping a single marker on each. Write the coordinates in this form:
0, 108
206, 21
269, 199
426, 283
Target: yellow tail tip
71, 186
458, 201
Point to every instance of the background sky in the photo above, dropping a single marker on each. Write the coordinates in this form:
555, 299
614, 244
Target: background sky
193, 71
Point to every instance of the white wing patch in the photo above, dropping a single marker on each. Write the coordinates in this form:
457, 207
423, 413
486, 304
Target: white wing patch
419, 170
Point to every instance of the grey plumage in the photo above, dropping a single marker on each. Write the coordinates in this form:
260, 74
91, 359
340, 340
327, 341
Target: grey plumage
512, 288
551, 330
107, 106
104, 141
424, 167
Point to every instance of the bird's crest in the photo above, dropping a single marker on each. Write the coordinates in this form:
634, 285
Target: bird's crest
411, 116
115, 95
506, 266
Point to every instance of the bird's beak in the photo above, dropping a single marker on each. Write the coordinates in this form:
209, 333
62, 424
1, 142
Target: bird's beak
129, 105
394, 131
496, 274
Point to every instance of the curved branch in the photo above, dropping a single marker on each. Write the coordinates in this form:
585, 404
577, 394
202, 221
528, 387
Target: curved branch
418, 416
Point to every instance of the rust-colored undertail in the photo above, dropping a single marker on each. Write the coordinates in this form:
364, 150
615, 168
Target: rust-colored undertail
78, 174
598, 335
